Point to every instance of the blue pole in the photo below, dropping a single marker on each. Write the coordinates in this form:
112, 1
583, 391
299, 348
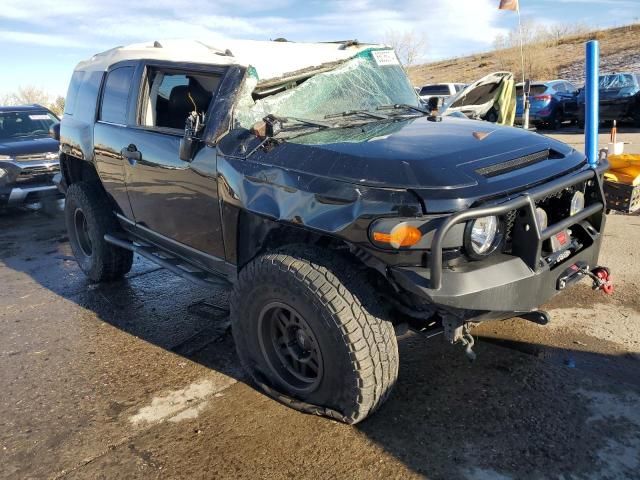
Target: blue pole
591, 102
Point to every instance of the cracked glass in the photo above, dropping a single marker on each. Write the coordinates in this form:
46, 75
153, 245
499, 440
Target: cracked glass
361, 83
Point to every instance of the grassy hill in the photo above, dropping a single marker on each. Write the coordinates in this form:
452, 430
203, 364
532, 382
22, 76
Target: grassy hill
561, 58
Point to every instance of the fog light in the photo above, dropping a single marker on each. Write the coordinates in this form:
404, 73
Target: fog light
543, 219
577, 203
483, 234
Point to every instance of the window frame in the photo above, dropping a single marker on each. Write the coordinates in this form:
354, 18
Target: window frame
181, 68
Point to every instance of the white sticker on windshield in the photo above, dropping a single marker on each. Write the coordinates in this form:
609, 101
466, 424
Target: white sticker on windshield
385, 58
39, 117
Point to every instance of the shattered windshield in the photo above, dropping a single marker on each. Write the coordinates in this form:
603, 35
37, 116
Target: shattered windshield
620, 80
363, 83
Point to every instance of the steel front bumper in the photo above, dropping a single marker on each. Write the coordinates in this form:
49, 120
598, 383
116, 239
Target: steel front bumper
520, 281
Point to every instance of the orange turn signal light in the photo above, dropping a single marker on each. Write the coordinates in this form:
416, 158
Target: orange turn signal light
402, 235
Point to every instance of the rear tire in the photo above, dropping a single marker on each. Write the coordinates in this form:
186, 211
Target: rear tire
88, 217
306, 325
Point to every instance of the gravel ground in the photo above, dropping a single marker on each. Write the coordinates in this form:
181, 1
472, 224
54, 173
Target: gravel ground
138, 379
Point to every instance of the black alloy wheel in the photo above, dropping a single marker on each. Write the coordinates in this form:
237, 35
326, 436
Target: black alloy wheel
290, 347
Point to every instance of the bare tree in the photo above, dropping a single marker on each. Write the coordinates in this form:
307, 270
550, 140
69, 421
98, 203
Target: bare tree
57, 106
409, 45
30, 94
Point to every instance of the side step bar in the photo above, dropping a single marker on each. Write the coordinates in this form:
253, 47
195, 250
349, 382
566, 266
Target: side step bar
173, 264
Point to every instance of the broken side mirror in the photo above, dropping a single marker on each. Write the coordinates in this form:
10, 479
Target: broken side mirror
54, 131
187, 145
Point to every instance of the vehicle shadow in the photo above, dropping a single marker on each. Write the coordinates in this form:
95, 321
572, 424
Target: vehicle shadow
508, 415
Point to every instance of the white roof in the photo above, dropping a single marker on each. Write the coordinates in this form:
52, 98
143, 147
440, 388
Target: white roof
270, 59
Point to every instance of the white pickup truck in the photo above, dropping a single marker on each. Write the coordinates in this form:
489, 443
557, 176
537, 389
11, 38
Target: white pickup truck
438, 92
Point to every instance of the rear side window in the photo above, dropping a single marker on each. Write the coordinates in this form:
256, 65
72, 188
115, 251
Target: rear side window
72, 92
435, 90
538, 90
115, 98
559, 87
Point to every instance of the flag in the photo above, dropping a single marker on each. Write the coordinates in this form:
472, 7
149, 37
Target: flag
508, 5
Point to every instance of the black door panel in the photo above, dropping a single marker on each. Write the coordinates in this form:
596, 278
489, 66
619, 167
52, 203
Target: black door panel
176, 199
110, 163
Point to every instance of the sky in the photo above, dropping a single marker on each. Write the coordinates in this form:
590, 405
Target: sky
42, 40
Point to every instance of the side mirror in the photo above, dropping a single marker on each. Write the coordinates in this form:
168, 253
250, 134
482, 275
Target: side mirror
54, 131
187, 145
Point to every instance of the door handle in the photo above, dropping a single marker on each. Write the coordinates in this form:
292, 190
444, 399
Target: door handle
131, 153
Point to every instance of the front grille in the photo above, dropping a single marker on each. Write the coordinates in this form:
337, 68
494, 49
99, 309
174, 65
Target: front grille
37, 174
38, 157
511, 165
556, 205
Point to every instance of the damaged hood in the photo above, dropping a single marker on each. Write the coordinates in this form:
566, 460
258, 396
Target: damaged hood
446, 159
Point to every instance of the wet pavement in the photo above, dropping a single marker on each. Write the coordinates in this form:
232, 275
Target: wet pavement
139, 379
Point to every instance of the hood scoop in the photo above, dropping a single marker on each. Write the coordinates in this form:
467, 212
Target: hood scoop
517, 163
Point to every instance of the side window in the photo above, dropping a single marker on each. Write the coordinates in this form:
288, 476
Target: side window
115, 98
570, 87
170, 96
72, 92
87, 97
559, 87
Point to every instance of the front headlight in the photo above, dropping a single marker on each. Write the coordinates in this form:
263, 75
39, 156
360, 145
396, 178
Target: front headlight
482, 236
5, 158
2, 172
577, 203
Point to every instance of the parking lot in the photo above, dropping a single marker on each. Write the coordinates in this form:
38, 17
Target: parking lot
139, 378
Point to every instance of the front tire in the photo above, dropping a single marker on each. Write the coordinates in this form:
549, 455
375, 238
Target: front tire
306, 325
89, 217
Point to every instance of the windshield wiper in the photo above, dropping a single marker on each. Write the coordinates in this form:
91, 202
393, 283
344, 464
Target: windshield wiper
361, 113
404, 106
302, 121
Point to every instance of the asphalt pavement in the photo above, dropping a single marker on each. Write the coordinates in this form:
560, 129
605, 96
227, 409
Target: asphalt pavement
139, 379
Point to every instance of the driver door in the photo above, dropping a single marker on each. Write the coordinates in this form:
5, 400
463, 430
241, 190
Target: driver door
174, 202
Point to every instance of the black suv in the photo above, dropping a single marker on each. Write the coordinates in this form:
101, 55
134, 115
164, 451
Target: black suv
308, 178
28, 156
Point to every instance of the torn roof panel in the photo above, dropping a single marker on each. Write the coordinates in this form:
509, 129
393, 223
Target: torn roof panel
270, 59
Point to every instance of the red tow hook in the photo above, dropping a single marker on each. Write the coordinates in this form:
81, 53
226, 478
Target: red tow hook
601, 277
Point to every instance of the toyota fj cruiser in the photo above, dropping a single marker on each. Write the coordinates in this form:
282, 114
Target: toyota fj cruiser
309, 179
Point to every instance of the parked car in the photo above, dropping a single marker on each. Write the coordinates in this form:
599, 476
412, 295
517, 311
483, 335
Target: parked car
434, 94
28, 156
484, 99
619, 98
332, 216
551, 103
